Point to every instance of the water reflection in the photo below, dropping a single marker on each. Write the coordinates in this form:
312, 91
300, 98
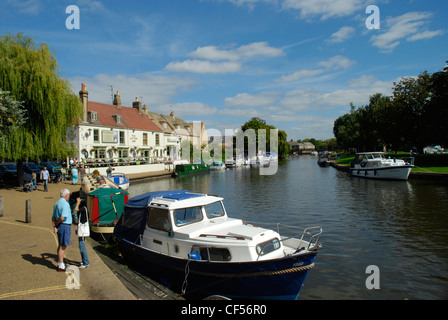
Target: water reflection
400, 226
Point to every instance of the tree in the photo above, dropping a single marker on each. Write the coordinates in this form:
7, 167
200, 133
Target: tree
30, 73
437, 110
12, 115
256, 124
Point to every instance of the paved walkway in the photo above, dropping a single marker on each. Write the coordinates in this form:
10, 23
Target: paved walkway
28, 253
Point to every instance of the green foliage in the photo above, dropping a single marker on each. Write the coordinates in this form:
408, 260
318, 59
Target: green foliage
415, 115
257, 124
12, 114
30, 73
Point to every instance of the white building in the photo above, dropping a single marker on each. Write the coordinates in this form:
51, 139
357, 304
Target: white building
120, 134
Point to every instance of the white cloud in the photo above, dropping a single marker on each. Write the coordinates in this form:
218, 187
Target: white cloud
425, 35
243, 52
228, 58
203, 67
337, 62
151, 89
333, 64
324, 8
407, 26
250, 100
341, 35
300, 75
187, 109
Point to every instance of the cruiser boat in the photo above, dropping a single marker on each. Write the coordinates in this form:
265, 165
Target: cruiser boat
187, 242
120, 180
375, 166
217, 166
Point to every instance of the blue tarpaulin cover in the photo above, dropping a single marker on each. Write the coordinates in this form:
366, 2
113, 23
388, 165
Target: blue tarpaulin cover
132, 223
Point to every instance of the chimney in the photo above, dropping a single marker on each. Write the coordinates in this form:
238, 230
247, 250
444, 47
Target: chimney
172, 114
117, 100
84, 95
145, 108
137, 105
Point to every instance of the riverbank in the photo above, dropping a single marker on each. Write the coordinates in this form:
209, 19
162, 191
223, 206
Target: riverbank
28, 251
440, 176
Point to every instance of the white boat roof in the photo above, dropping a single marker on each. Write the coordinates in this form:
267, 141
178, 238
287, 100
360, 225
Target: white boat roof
172, 204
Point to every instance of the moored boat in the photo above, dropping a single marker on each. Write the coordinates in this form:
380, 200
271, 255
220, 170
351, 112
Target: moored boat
217, 166
374, 165
120, 179
105, 207
190, 169
324, 159
187, 242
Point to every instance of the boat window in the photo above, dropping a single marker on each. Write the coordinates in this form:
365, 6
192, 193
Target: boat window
214, 210
187, 215
212, 253
268, 246
159, 219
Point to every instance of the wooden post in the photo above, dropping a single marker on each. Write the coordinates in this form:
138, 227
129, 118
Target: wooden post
28, 211
1, 207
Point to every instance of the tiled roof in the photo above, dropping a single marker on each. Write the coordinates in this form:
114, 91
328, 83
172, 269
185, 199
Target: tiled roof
131, 118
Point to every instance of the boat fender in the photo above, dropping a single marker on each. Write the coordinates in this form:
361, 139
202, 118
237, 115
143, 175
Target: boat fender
194, 256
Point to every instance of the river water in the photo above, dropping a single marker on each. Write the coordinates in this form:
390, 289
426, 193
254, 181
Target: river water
401, 227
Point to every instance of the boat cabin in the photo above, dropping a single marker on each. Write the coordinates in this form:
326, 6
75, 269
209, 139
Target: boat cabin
196, 226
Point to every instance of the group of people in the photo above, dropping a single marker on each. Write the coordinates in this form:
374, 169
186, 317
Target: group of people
62, 221
31, 182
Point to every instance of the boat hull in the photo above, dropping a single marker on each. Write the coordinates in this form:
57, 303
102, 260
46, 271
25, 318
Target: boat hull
385, 173
279, 279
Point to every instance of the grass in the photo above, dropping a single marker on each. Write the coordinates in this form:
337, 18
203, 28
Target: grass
431, 169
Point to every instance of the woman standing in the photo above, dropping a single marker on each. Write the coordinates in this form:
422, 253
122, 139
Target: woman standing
75, 174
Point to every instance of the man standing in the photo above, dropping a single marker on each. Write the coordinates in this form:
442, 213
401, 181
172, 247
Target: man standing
62, 220
44, 176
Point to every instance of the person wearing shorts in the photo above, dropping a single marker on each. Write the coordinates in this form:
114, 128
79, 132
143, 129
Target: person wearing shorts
62, 221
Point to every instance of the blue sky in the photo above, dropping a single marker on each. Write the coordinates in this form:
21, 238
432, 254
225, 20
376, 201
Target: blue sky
295, 63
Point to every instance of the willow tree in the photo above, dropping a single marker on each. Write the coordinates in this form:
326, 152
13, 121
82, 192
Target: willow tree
30, 74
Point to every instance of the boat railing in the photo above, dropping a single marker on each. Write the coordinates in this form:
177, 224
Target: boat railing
309, 235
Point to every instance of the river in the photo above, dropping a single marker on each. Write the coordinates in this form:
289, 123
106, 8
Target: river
401, 227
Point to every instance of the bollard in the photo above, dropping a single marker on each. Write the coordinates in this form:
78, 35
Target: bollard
1, 207
28, 211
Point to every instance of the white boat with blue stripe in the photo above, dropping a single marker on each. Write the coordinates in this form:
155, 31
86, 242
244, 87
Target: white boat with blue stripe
187, 242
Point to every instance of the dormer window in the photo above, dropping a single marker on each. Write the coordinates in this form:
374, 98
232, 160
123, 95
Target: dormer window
118, 119
93, 116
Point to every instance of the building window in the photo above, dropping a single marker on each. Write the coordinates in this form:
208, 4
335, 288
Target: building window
122, 137
118, 119
157, 140
96, 135
93, 116
145, 139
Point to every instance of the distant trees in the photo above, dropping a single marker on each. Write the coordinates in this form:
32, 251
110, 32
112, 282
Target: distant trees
415, 115
256, 124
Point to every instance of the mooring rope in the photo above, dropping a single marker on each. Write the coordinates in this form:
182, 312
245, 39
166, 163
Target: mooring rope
256, 274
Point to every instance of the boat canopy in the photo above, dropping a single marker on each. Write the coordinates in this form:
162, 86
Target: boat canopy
106, 205
133, 221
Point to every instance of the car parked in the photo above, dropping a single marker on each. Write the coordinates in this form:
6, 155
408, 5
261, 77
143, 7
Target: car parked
8, 173
52, 167
30, 167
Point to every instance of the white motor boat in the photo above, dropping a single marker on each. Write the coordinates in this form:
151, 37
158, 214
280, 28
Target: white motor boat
374, 165
187, 242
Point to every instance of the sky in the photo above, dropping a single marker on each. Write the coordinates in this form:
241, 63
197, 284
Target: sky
297, 64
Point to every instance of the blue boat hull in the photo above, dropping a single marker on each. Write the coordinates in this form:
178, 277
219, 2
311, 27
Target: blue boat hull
279, 279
